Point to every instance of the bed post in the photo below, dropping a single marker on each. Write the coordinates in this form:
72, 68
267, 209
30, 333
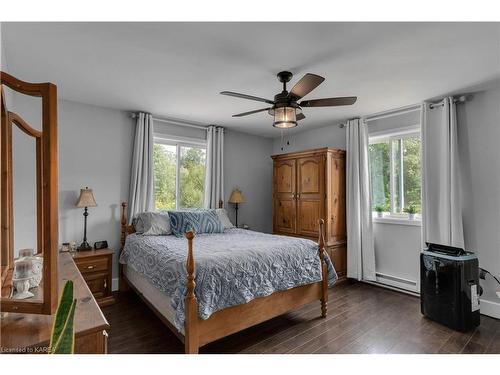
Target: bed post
191, 339
324, 270
122, 283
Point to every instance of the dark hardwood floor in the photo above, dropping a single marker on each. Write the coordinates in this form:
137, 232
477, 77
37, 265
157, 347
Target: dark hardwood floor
361, 319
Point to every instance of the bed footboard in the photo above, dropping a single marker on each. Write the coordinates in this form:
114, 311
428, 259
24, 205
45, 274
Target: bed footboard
324, 270
191, 338
236, 318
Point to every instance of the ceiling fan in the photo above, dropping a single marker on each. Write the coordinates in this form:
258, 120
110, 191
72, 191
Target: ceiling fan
285, 107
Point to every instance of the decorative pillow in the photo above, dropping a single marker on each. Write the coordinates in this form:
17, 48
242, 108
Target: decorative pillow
224, 219
199, 221
152, 223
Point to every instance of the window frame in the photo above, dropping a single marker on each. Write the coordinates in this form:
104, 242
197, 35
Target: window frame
400, 135
179, 142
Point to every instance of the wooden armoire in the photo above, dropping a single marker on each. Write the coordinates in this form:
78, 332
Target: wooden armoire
308, 186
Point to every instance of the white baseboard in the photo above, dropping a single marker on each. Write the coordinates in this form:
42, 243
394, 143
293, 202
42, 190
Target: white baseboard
396, 282
115, 284
390, 287
490, 308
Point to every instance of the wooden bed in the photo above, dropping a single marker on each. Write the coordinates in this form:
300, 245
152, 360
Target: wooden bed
199, 332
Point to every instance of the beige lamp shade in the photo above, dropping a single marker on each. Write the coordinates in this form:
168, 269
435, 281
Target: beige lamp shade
86, 198
236, 197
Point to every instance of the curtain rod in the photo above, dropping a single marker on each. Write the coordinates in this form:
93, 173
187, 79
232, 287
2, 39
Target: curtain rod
189, 124
460, 99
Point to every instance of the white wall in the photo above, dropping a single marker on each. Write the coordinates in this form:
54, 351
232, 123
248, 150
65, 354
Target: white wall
397, 251
248, 166
479, 140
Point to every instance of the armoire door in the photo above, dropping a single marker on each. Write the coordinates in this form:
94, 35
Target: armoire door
310, 194
285, 205
337, 230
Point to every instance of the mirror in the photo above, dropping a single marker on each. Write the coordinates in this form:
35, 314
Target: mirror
28, 199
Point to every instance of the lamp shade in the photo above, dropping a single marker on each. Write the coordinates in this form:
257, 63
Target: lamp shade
285, 117
86, 198
236, 197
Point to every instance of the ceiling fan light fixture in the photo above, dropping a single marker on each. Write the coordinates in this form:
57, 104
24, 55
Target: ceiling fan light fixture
285, 117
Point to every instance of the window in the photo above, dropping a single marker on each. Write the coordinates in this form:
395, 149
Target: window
179, 169
395, 173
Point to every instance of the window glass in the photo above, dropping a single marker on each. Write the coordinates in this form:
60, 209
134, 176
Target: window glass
380, 175
192, 175
181, 161
412, 173
397, 205
165, 164
395, 174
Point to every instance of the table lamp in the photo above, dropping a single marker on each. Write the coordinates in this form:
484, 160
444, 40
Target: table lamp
85, 200
236, 198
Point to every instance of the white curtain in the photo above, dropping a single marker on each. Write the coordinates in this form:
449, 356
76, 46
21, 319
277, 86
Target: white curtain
360, 247
214, 174
141, 177
441, 208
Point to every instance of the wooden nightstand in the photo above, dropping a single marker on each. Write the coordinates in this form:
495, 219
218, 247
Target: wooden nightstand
96, 268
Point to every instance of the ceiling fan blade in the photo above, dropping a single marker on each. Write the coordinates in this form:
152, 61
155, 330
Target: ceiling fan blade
245, 96
251, 112
300, 116
329, 102
305, 85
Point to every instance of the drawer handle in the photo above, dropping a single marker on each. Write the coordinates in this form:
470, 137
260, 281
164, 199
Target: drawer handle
90, 267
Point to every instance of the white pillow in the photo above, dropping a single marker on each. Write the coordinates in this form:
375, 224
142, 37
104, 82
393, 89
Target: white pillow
153, 223
224, 219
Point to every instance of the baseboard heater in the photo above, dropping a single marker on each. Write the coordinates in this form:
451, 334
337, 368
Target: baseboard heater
396, 279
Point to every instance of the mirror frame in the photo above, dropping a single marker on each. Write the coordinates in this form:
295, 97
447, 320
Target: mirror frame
46, 196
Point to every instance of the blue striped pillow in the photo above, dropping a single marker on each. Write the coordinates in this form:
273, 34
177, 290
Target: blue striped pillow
199, 221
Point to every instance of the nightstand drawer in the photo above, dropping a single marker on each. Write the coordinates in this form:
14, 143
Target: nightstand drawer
97, 283
92, 265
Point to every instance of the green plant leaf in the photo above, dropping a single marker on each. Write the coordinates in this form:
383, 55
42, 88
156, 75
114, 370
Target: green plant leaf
66, 342
63, 310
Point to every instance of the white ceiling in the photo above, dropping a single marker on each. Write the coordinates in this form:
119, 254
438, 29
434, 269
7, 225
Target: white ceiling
177, 70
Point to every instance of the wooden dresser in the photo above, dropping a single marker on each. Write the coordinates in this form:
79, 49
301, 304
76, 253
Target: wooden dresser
30, 333
96, 268
307, 186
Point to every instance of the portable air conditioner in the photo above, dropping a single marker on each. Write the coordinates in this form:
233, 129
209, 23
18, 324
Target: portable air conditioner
449, 286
